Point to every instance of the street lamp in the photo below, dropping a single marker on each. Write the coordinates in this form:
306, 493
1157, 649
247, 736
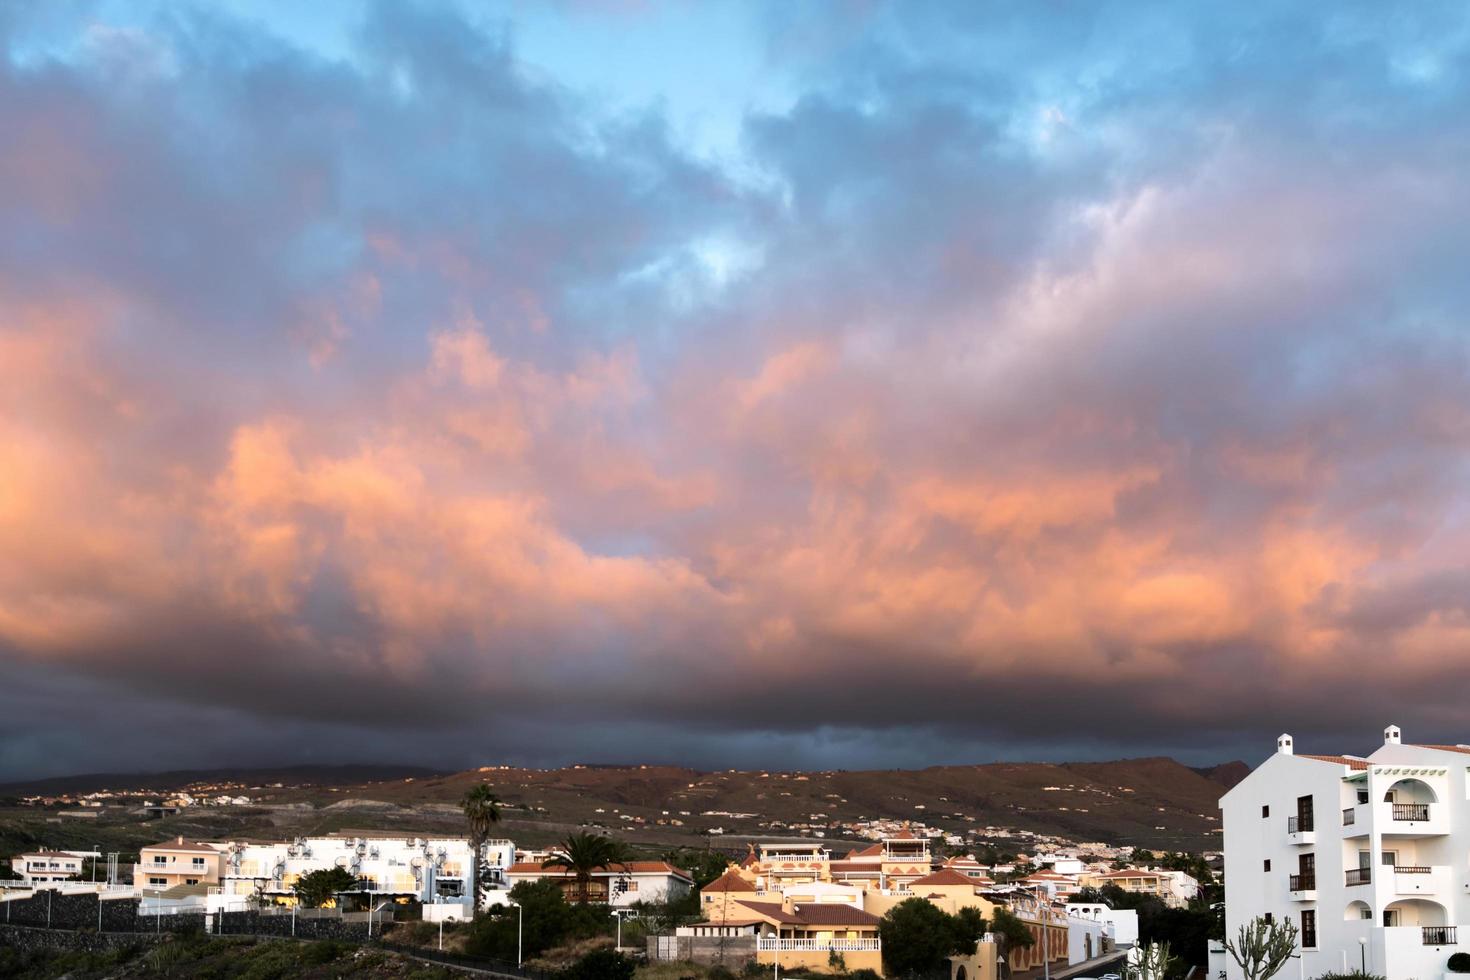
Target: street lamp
1363, 953
520, 921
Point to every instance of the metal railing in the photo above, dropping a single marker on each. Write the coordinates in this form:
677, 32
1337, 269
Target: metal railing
1440, 936
1300, 825
1359, 876
769, 944
1411, 811
1349, 816
1304, 882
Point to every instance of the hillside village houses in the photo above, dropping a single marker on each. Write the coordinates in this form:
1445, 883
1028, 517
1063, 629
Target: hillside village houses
1365, 855
796, 903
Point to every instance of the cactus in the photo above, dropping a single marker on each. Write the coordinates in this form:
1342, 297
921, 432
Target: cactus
1153, 962
1262, 948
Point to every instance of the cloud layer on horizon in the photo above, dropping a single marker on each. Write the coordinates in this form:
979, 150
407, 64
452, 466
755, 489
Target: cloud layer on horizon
1022, 372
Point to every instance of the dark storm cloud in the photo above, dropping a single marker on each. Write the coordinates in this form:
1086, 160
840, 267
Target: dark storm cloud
1113, 362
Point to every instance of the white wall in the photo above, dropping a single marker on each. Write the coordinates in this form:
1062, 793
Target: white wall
1443, 844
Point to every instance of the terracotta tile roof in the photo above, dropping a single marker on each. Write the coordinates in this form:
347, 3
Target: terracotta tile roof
1464, 749
1131, 873
730, 881
179, 844
1340, 760
904, 834
813, 914
48, 854
854, 867
944, 876
875, 851
833, 914
771, 910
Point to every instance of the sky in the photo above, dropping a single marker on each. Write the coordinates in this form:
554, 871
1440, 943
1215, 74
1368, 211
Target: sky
848, 384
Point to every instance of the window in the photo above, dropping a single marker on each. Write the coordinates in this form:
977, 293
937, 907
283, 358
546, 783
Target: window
1265, 811
1269, 918
1362, 796
1266, 865
199, 863
158, 882
1309, 929
191, 881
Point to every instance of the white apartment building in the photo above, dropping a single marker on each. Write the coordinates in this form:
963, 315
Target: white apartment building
432, 870
1369, 857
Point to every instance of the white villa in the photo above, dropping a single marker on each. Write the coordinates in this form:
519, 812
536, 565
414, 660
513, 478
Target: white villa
1368, 856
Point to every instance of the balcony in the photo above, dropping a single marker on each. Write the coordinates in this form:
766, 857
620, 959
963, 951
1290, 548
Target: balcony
1439, 936
1303, 887
1421, 880
1301, 830
1359, 876
1396, 819
766, 944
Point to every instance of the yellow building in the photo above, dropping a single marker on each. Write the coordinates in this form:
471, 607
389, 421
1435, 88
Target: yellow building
177, 862
794, 936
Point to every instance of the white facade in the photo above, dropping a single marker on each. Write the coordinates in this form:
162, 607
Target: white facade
1369, 857
44, 867
623, 885
1123, 923
429, 869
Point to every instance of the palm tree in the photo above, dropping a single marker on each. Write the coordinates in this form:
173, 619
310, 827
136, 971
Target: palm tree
481, 812
583, 854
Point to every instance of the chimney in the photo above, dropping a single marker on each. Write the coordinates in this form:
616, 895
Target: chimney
1392, 735
1283, 745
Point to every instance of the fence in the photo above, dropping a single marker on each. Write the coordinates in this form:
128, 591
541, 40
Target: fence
485, 963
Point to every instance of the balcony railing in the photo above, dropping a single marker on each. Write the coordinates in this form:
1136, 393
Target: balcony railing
1413, 869
1300, 825
1349, 816
769, 944
1411, 811
1440, 936
1304, 882
1359, 876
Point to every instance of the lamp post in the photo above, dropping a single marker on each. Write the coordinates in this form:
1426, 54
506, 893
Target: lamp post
1363, 953
520, 921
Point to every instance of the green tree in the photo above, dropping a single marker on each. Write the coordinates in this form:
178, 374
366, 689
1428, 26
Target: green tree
584, 854
481, 809
1010, 932
1261, 948
970, 927
918, 937
704, 866
545, 918
315, 888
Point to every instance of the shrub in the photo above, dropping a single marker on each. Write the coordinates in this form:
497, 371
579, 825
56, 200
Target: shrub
1460, 963
321, 953
1351, 975
603, 964
864, 974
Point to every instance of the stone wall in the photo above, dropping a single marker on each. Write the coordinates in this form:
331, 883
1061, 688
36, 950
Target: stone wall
73, 911
28, 939
306, 927
731, 951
